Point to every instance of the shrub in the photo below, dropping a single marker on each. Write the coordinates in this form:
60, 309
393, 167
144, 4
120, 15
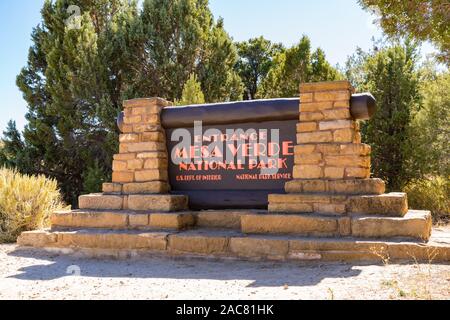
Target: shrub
26, 203
430, 194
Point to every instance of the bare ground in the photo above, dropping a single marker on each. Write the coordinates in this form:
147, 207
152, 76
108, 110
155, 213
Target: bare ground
35, 274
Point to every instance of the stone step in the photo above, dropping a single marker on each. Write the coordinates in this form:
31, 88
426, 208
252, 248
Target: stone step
414, 225
345, 187
222, 219
228, 243
137, 202
391, 204
121, 219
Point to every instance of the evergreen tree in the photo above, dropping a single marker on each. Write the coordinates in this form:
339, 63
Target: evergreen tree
178, 38
390, 74
294, 66
74, 87
255, 60
192, 93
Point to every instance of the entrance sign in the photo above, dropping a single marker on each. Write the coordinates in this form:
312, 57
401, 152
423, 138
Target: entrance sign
235, 156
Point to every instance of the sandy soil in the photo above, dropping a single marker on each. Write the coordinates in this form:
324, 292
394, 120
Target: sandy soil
33, 274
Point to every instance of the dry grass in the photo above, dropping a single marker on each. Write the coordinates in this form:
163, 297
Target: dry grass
26, 203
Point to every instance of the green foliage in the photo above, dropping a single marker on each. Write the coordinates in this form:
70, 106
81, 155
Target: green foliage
390, 74
255, 60
26, 203
76, 79
294, 66
430, 194
430, 130
93, 179
422, 19
192, 93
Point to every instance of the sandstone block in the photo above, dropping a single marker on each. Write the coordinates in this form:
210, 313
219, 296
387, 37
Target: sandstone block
312, 158
152, 155
119, 165
177, 221
311, 116
118, 240
291, 207
151, 175
146, 127
336, 114
307, 172
89, 219
306, 126
100, 201
289, 224
357, 186
415, 224
332, 95
347, 161
333, 173
314, 137
259, 248
153, 137
124, 156
139, 220
164, 203
304, 148
343, 135
129, 137
219, 219
336, 124
132, 119
37, 238
122, 176
391, 204
315, 106
142, 147
198, 244
156, 163
329, 208
342, 85
306, 97
153, 187
135, 164
358, 173
311, 186
146, 102
112, 188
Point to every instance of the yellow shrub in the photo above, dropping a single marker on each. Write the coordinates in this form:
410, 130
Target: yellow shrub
430, 194
26, 203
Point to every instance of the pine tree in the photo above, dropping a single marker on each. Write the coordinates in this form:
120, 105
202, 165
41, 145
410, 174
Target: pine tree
255, 60
294, 66
178, 38
74, 86
192, 93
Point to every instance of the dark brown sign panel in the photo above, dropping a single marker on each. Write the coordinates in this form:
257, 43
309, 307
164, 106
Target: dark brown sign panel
233, 165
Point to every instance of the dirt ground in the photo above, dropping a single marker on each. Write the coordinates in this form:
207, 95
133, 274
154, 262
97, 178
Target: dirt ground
34, 274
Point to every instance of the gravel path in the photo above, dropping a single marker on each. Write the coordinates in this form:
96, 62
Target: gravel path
33, 274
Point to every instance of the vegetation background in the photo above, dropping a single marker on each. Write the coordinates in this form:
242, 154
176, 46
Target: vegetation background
78, 74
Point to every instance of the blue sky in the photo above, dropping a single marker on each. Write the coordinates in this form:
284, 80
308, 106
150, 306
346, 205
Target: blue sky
337, 26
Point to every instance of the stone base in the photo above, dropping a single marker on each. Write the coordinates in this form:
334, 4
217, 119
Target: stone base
221, 243
414, 225
138, 202
123, 220
392, 204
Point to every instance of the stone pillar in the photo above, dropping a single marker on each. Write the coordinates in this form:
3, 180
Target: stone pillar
332, 166
142, 162
140, 179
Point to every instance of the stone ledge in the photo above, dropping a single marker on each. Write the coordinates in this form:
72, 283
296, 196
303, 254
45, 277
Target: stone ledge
98, 201
121, 220
164, 203
347, 187
231, 244
415, 224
